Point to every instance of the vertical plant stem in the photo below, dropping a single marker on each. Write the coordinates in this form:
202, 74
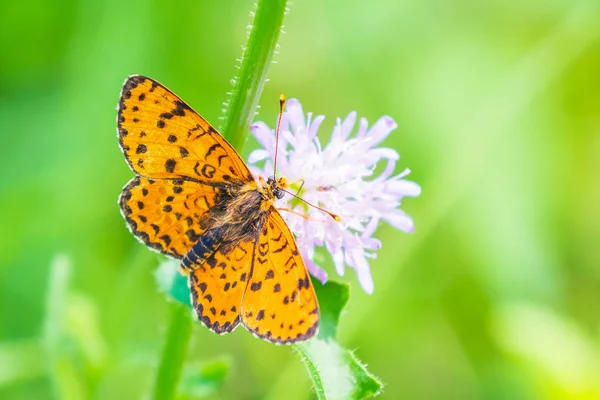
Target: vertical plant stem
174, 352
255, 64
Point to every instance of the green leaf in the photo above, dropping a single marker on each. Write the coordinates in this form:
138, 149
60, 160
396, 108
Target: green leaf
248, 86
333, 297
336, 372
201, 380
172, 282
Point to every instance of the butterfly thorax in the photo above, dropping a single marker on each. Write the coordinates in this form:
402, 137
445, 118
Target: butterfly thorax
238, 215
246, 206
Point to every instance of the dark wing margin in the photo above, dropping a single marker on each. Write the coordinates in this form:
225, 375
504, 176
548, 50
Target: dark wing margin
217, 286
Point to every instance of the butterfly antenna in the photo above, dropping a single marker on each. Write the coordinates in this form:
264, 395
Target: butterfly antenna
332, 215
281, 106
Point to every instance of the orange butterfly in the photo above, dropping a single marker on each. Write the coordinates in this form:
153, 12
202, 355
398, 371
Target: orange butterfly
195, 199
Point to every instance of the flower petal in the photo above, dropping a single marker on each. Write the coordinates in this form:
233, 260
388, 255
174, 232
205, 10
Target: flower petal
381, 129
263, 134
314, 126
371, 227
295, 116
362, 128
348, 125
361, 266
315, 270
400, 221
404, 188
257, 155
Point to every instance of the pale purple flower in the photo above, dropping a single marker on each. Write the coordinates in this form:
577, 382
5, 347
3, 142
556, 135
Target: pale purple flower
339, 178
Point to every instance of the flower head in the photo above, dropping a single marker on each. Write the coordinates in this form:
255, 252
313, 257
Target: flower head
340, 178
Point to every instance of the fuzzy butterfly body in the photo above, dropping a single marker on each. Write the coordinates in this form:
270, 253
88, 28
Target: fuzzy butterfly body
193, 198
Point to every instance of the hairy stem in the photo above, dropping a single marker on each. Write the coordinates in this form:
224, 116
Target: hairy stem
256, 60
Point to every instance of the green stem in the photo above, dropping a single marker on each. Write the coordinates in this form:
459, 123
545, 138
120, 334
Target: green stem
255, 65
174, 352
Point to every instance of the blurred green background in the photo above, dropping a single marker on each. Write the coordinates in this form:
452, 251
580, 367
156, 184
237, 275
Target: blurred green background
496, 295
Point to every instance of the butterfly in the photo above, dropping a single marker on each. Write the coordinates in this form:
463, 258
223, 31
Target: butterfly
193, 198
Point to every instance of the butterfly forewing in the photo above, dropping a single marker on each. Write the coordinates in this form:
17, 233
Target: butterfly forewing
164, 138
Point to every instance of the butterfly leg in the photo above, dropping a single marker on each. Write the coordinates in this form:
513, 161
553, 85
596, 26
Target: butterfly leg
306, 217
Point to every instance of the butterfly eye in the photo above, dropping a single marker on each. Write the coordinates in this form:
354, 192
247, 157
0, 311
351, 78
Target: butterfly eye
279, 194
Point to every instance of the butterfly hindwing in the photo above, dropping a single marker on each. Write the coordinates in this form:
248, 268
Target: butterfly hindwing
279, 303
164, 138
167, 215
217, 286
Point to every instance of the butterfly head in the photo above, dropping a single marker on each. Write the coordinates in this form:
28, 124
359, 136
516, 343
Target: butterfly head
277, 186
